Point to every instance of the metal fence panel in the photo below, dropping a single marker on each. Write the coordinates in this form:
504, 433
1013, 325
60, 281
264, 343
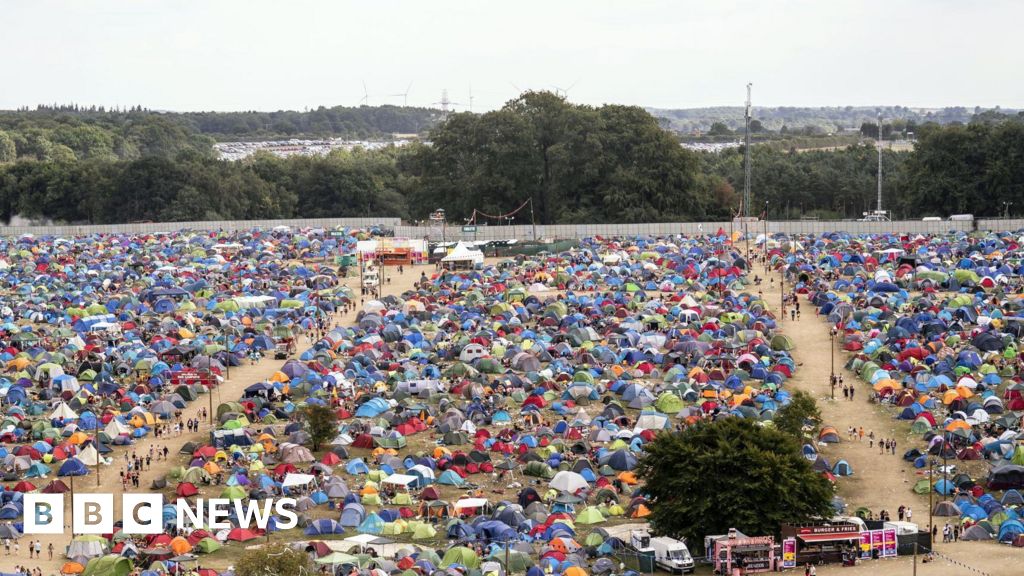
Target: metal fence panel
547, 232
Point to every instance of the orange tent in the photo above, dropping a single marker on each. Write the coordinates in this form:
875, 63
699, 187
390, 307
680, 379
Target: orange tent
180, 546
957, 425
72, 568
642, 511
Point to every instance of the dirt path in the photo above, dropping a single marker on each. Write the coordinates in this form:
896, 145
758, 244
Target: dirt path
231, 389
879, 481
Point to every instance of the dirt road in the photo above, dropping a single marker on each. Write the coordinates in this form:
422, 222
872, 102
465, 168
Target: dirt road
231, 389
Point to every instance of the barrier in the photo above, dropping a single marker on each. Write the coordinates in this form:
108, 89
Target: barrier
529, 232
226, 225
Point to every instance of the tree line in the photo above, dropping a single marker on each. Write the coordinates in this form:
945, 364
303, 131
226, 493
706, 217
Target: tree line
576, 163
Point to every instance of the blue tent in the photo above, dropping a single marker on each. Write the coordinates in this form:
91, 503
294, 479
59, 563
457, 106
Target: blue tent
352, 515
373, 524
73, 467
1009, 530
323, 526
450, 478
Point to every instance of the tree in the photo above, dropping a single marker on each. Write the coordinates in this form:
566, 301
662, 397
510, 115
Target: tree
719, 129
760, 481
8, 152
273, 559
321, 423
802, 411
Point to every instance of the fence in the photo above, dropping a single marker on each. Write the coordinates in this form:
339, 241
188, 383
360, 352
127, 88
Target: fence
559, 231
528, 232
227, 225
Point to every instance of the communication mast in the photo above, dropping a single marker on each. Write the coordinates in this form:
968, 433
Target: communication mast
746, 158
879, 209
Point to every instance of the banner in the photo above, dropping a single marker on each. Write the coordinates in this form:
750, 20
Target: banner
889, 543
865, 544
881, 542
876, 542
789, 553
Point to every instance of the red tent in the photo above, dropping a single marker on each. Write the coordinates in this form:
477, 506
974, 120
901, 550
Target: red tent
186, 489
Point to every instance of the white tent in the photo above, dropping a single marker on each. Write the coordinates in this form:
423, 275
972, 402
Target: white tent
463, 255
89, 456
569, 482
63, 412
472, 352
253, 301
115, 429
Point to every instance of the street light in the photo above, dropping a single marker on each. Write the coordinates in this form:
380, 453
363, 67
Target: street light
766, 237
832, 352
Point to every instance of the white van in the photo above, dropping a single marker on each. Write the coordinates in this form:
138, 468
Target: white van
370, 279
669, 554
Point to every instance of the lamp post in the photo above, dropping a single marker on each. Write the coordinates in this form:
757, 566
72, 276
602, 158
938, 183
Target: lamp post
782, 287
945, 468
766, 237
832, 353
931, 465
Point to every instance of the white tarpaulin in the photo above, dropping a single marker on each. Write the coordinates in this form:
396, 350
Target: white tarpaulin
297, 480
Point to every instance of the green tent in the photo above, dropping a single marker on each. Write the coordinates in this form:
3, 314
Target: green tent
233, 493
517, 561
782, 342
461, 555
424, 532
111, 565
539, 469
208, 546
920, 426
227, 306
668, 403
590, 516
195, 475
922, 487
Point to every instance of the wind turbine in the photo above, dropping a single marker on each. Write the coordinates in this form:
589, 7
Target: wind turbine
564, 92
404, 95
366, 96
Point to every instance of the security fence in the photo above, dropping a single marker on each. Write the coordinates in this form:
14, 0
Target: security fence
453, 232
226, 225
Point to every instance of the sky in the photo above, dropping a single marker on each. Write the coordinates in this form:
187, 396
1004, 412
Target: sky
297, 54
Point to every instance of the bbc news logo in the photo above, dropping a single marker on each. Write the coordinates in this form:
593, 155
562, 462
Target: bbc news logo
144, 513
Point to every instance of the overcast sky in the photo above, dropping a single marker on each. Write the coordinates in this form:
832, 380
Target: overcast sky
293, 54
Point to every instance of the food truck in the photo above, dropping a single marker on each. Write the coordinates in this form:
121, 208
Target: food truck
824, 542
736, 553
